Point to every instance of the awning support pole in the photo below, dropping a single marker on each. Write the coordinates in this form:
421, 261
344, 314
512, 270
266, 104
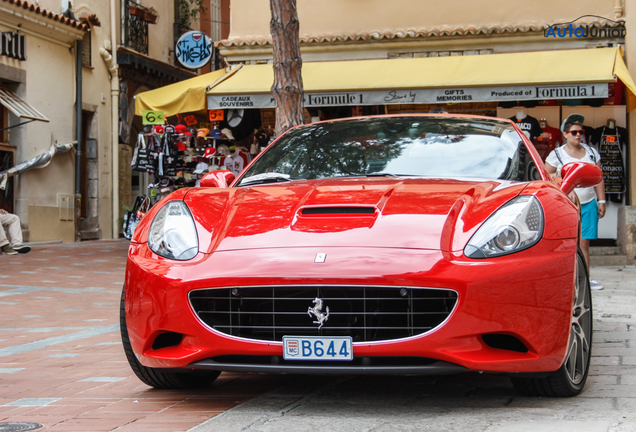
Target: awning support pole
16, 125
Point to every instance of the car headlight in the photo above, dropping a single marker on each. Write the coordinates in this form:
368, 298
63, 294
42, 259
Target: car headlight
514, 227
172, 233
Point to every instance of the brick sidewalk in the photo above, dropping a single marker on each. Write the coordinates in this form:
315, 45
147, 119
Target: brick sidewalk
61, 360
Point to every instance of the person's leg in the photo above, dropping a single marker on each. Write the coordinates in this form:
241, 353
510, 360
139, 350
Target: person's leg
585, 247
15, 233
12, 222
5, 247
3, 235
589, 231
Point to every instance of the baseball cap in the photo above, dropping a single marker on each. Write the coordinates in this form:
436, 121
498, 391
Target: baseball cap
159, 129
203, 132
180, 128
209, 152
216, 134
572, 118
227, 133
201, 168
181, 146
223, 150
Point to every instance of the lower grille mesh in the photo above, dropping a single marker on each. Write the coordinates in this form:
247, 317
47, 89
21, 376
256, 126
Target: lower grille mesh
364, 313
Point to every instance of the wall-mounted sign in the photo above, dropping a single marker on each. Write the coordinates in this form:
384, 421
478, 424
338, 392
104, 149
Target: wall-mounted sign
194, 49
13, 45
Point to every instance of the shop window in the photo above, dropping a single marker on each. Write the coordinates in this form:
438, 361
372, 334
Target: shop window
86, 48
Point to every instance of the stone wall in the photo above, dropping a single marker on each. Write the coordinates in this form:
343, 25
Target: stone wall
627, 232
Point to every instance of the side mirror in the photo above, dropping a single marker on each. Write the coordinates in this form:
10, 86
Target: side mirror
580, 174
219, 179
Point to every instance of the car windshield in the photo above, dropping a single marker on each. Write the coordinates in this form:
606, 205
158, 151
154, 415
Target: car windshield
439, 147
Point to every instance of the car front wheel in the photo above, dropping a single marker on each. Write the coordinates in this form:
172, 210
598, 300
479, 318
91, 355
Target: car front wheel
570, 378
159, 378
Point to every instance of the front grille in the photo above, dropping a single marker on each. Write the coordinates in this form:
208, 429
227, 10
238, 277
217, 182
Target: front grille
364, 313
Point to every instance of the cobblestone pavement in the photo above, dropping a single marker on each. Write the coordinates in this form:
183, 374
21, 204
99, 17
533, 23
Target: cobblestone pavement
62, 365
61, 360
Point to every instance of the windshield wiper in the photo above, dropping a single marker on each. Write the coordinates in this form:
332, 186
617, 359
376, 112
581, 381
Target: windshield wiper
378, 174
270, 177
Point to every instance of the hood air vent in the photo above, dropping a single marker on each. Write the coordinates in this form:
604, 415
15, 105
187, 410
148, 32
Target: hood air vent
313, 211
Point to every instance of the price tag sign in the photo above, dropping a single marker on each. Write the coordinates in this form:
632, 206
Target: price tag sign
152, 117
190, 120
215, 115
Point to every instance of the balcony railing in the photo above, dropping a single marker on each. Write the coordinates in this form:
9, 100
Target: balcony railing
135, 26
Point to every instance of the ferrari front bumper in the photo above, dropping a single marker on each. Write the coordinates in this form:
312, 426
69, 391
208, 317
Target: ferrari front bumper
525, 297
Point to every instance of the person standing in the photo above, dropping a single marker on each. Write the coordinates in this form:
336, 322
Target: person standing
575, 150
12, 223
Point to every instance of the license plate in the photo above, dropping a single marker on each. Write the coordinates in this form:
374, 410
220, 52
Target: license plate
317, 348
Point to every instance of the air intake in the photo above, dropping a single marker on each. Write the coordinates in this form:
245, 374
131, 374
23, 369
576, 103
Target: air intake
168, 339
505, 342
313, 211
366, 313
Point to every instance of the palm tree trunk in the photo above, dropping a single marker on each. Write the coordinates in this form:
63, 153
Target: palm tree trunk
288, 84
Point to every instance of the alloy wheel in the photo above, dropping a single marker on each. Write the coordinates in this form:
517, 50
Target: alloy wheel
580, 337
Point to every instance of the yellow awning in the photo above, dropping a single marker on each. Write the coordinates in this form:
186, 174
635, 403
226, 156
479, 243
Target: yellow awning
539, 68
182, 97
621, 72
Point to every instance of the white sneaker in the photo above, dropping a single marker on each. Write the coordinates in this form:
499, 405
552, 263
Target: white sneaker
595, 285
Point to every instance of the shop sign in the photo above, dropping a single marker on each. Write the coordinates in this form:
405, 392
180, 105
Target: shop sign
571, 30
152, 117
420, 96
13, 45
193, 49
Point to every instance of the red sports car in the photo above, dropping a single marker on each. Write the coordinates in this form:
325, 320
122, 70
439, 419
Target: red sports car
416, 244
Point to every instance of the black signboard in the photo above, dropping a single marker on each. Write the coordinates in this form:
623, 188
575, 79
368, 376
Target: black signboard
612, 163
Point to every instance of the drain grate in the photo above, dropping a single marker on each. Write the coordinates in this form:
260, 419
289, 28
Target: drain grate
18, 426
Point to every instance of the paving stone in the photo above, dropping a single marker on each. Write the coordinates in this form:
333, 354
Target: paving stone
32, 402
73, 356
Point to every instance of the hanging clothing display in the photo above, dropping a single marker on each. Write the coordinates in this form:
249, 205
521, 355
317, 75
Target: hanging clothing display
529, 125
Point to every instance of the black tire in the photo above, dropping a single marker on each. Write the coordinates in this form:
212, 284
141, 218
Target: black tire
570, 378
159, 378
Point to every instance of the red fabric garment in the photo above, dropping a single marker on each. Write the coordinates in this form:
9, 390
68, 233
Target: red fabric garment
547, 141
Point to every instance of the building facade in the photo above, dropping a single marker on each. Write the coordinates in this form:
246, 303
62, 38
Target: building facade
79, 65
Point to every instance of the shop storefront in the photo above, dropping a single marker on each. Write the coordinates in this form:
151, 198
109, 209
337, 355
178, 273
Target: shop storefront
499, 85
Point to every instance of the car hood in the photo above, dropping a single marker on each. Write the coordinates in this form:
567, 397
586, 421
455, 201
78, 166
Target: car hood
411, 213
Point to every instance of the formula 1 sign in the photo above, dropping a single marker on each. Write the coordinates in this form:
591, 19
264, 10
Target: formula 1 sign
194, 49
419, 96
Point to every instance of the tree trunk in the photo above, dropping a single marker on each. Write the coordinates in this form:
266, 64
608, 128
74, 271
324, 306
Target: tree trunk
288, 84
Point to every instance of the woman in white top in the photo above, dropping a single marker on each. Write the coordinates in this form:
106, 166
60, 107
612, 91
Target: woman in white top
575, 151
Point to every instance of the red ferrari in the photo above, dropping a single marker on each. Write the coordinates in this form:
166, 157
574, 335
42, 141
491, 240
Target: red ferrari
416, 244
